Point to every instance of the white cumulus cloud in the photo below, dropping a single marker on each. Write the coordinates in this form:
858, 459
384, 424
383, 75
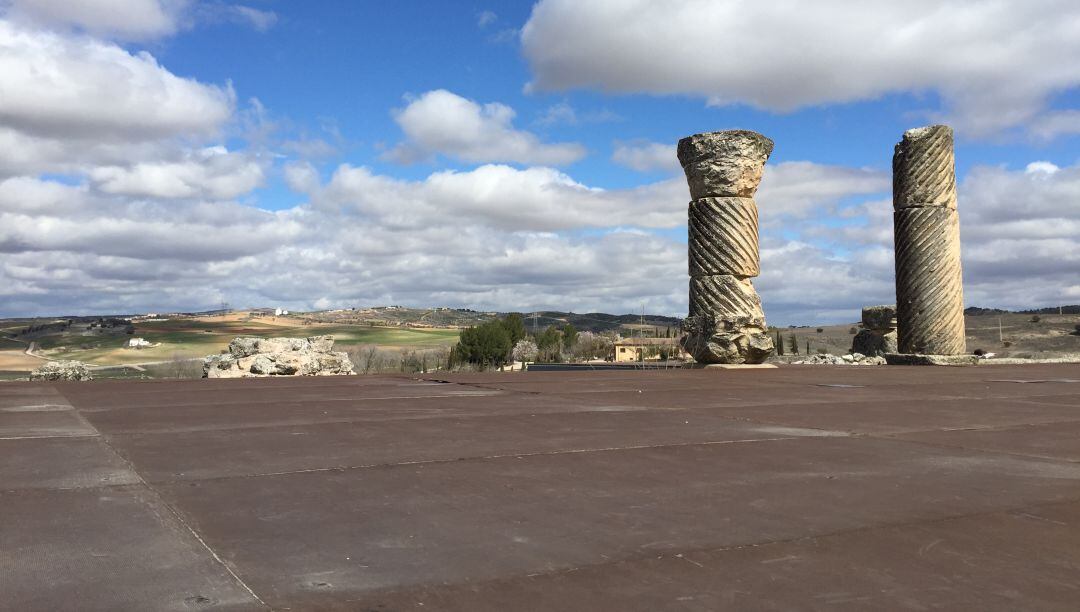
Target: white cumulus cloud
212, 173
442, 122
645, 156
55, 86
125, 19
995, 65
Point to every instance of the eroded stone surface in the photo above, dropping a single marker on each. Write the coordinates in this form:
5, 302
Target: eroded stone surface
924, 169
724, 295
726, 339
874, 342
879, 317
252, 357
724, 164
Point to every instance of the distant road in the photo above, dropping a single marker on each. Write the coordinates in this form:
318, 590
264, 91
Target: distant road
30, 348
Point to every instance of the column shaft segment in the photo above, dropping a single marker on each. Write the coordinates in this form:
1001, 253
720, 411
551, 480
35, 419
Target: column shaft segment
929, 284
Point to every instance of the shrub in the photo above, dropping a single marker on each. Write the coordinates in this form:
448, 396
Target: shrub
1035, 318
853, 331
819, 330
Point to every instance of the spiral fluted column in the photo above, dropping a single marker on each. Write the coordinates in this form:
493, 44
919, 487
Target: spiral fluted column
926, 225
726, 322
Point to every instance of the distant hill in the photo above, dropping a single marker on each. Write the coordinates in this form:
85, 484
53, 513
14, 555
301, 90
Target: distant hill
463, 317
597, 321
976, 311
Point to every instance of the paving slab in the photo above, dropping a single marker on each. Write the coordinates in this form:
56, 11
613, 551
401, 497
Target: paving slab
59, 463
1019, 560
799, 487
193, 417
364, 529
106, 549
1049, 441
187, 455
46, 422
888, 416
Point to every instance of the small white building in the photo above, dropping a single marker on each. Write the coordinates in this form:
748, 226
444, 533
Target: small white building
137, 343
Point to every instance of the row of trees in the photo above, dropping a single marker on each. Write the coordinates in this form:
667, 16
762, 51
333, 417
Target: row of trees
792, 344
495, 343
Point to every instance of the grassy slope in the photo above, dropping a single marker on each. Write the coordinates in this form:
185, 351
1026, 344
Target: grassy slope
185, 338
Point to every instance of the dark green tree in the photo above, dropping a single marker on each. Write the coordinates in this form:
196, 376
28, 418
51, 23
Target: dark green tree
793, 344
779, 343
569, 336
487, 345
549, 344
515, 326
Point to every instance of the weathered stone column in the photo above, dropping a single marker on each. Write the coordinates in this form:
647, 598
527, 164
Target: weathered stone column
929, 286
726, 322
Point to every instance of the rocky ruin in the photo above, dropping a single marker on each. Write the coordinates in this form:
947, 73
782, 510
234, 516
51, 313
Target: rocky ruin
62, 370
878, 336
255, 357
726, 322
926, 225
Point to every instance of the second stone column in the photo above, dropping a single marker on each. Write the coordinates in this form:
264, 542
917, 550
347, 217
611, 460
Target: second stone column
929, 283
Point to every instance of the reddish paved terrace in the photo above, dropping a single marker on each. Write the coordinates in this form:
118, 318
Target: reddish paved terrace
795, 488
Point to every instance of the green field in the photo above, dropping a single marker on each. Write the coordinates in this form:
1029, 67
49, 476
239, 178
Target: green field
198, 337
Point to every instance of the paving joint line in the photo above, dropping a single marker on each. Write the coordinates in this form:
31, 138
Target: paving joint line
496, 457
983, 451
170, 508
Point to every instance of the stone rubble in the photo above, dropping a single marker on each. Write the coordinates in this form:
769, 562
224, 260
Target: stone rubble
62, 370
249, 357
726, 323
857, 359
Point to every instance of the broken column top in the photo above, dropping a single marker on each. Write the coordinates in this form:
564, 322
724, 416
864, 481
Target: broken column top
879, 317
924, 172
724, 164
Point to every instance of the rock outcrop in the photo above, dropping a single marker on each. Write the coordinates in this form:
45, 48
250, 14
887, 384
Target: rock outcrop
62, 370
253, 357
879, 336
926, 227
726, 323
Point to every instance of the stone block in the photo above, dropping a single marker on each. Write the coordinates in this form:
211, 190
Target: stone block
724, 164
724, 296
723, 237
879, 317
924, 172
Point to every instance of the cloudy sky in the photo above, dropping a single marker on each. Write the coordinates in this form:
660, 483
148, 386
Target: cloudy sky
174, 154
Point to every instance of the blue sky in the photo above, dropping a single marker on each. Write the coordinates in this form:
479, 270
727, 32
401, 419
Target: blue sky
171, 154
